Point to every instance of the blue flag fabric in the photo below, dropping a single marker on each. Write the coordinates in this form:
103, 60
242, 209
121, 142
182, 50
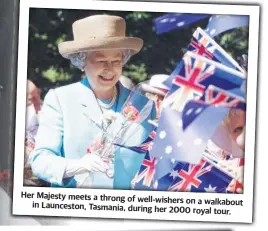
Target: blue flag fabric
213, 96
163, 183
195, 74
169, 22
144, 179
218, 52
171, 141
202, 44
151, 169
202, 177
163, 165
143, 147
220, 23
200, 49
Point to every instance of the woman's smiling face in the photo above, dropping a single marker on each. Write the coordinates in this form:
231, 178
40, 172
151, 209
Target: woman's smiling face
104, 68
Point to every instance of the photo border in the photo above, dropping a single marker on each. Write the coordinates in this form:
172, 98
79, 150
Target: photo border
244, 214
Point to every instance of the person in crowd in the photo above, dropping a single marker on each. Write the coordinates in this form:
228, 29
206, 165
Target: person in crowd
71, 115
156, 90
33, 107
230, 135
33, 96
126, 82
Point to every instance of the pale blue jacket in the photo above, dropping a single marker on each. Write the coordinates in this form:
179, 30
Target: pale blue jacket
65, 132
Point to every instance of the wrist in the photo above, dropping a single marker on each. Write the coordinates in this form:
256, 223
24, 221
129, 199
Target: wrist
74, 167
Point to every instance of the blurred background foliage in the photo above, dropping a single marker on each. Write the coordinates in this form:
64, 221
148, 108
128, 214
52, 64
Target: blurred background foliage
160, 54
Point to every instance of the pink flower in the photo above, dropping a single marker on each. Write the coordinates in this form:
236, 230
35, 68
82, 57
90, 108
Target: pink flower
131, 113
95, 146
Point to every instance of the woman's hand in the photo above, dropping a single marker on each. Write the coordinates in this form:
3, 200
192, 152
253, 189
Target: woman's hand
93, 163
88, 163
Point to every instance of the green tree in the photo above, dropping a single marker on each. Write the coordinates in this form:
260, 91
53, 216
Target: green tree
160, 54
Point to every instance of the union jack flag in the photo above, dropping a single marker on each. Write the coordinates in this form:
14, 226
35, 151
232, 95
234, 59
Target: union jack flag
216, 96
188, 177
163, 183
235, 187
147, 144
201, 49
220, 54
200, 178
195, 74
144, 178
202, 44
141, 148
188, 81
213, 96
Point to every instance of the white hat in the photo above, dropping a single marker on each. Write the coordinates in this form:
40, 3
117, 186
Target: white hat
156, 85
126, 82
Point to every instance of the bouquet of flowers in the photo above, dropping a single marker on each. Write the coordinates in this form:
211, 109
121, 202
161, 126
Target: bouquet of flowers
118, 127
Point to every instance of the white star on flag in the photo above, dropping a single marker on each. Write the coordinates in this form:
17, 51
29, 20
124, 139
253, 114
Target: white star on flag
210, 189
198, 110
168, 150
174, 174
179, 24
189, 111
162, 134
164, 20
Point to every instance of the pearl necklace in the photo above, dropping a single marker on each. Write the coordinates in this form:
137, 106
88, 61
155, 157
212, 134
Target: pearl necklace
106, 106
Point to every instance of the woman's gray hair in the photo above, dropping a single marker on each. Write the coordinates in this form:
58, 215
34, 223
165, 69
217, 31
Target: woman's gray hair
79, 59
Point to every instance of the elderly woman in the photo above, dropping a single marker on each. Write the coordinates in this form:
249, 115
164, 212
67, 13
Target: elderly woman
71, 115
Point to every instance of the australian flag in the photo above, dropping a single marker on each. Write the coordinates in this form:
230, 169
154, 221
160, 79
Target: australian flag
141, 148
171, 141
169, 22
144, 179
219, 54
220, 23
196, 47
163, 183
202, 44
195, 74
183, 136
212, 97
202, 177
163, 166
235, 187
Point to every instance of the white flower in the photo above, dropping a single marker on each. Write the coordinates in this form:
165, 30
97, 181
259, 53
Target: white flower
110, 115
108, 118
